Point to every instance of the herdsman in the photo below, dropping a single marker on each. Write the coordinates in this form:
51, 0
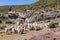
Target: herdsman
10, 9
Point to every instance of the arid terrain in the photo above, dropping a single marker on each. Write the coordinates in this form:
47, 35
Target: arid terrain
45, 34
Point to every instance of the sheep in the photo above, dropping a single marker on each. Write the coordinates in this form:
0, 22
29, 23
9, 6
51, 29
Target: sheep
13, 30
6, 30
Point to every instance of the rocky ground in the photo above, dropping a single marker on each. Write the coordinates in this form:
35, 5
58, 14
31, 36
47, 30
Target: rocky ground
45, 34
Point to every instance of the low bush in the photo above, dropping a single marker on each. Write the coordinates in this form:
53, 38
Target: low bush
52, 25
2, 27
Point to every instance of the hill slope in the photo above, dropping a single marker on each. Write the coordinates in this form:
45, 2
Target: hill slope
41, 5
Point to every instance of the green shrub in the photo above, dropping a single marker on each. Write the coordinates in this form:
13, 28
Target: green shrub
52, 25
2, 27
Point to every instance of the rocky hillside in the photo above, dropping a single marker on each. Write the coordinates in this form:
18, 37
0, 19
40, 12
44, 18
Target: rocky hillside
38, 20
41, 5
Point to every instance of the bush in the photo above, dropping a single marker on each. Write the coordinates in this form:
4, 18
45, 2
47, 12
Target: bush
52, 25
2, 27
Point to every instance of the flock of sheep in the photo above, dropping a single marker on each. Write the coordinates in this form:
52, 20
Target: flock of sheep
42, 16
30, 25
23, 28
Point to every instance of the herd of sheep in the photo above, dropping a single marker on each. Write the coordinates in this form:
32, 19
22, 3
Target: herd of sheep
23, 28
30, 21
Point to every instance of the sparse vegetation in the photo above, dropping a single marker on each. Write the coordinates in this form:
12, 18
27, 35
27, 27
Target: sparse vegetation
41, 5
